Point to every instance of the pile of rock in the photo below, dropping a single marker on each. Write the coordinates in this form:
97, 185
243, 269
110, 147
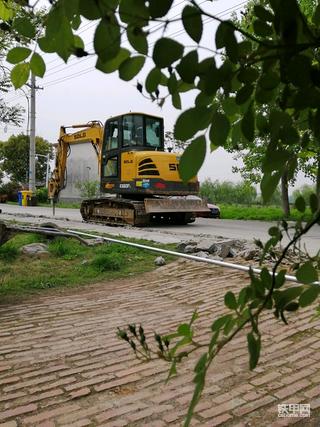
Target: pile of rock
220, 249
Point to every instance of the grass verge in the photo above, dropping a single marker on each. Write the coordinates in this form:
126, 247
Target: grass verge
68, 264
263, 213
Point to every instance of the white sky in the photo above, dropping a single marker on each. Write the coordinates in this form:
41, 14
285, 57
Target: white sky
76, 92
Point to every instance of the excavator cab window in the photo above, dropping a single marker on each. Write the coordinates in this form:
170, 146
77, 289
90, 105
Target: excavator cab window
112, 141
153, 132
111, 167
133, 134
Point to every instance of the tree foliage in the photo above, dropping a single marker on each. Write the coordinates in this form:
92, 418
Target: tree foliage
14, 157
227, 192
264, 85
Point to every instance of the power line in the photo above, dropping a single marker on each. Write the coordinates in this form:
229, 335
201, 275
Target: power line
91, 68
178, 32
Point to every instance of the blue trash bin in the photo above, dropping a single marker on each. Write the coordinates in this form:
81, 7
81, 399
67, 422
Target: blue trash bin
19, 198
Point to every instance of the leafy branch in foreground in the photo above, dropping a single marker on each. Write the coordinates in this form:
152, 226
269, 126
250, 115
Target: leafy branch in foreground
266, 291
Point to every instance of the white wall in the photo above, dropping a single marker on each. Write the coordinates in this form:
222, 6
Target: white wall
82, 165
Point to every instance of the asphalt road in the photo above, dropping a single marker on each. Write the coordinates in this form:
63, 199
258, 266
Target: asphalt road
203, 227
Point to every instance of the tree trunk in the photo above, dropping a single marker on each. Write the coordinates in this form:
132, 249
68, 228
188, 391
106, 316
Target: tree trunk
285, 194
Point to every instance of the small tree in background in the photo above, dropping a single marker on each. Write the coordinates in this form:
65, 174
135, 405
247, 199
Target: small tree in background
88, 189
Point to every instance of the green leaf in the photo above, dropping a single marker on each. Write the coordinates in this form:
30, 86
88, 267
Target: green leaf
114, 63
254, 346
6, 13
192, 22
309, 296
261, 28
244, 94
184, 330
192, 158
292, 306
47, 45
299, 71
191, 121
107, 39
131, 67
307, 273
76, 22
269, 184
269, 80
24, 27
230, 106
89, 9
201, 364
283, 298
248, 75
225, 38
230, 301
138, 39
78, 42
280, 279
275, 159
20, 74
262, 13
248, 124
158, 8
219, 130
134, 12
153, 80
187, 67
18, 54
176, 101
37, 64
300, 204
220, 322
166, 51
172, 370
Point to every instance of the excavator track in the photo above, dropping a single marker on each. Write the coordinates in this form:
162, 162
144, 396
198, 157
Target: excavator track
119, 211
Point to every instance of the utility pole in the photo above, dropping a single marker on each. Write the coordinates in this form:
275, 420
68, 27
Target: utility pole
32, 152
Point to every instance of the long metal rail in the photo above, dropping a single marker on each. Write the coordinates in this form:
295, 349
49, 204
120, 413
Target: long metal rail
181, 255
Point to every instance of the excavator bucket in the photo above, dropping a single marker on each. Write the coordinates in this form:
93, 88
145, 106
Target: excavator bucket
173, 205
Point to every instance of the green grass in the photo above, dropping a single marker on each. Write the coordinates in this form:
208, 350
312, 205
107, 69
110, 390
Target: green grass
68, 264
263, 213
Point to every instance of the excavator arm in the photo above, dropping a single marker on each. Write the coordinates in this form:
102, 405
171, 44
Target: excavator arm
89, 132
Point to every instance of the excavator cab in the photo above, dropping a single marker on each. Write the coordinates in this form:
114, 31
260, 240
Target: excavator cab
133, 161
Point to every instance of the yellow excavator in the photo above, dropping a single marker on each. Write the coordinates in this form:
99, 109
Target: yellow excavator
139, 182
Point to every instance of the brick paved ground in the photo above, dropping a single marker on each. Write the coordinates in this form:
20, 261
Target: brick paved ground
61, 364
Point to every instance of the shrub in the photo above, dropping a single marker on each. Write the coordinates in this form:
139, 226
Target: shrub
88, 189
228, 192
42, 195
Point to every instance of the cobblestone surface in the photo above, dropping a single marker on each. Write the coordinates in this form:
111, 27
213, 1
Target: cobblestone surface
62, 365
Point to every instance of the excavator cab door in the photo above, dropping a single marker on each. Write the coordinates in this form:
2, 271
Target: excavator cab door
110, 162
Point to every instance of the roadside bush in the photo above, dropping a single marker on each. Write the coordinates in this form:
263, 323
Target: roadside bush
88, 189
42, 195
107, 262
228, 192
